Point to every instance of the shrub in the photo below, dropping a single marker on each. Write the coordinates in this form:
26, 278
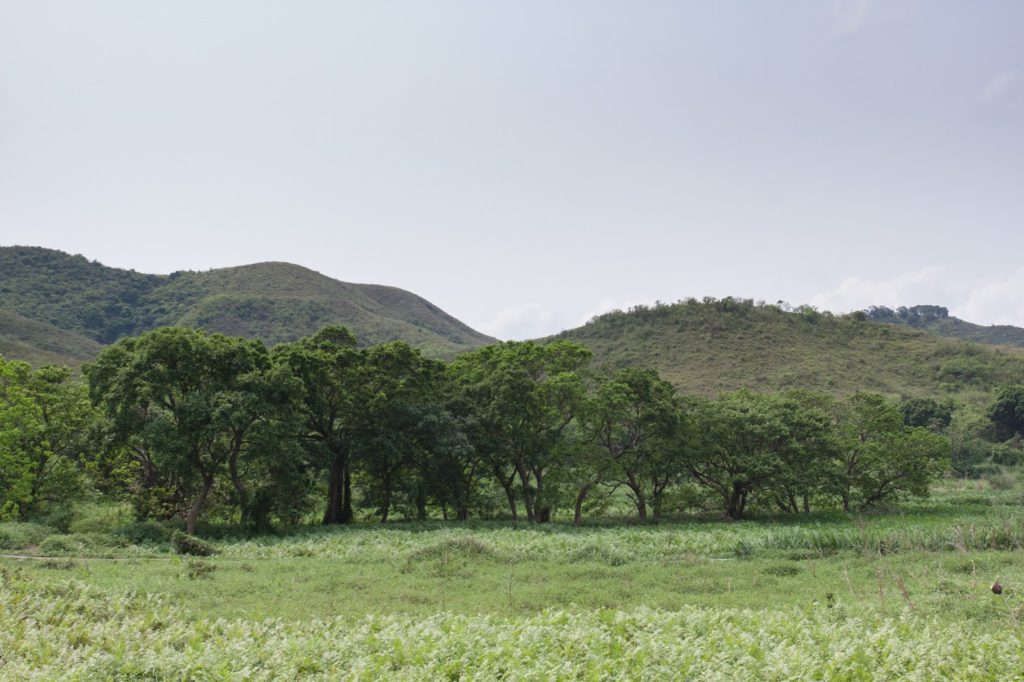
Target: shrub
601, 553
59, 519
144, 532
199, 570
56, 545
189, 544
1000, 480
20, 535
782, 570
968, 456
1007, 455
57, 564
463, 547
100, 518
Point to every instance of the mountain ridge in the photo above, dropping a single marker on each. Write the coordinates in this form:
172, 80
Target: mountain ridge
273, 301
717, 345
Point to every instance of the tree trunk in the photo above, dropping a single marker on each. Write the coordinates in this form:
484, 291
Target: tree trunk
578, 516
339, 490
807, 504
506, 485
542, 512
640, 500
386, 507
524, 479
335, 490
734, 503
658, 500
421, 505
197, 505
243, 495
641, 508
513, 507
346, 493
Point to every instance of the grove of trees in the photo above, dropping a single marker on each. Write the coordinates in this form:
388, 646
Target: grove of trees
194, 426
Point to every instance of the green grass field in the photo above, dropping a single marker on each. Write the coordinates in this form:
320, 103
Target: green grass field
901, 595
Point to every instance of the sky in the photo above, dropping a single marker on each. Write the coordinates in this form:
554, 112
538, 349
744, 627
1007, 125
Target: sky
528, 164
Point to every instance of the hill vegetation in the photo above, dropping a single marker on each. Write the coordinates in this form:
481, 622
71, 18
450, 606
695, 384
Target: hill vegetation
41, 343
936, 319
90, 304
712, 346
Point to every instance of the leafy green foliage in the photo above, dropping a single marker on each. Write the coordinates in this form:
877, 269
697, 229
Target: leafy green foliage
45, 422
1007, 412
192, 407
15, 535
927, 413
520, 397
748, 442
630, 434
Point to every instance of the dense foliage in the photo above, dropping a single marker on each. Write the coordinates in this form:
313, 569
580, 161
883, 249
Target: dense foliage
73, 631
189, 425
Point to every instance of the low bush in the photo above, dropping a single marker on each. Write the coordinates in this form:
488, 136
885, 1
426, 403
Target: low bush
21, 535
144, 532
197, 570
95, 518
462, 546
191, 545
57, 545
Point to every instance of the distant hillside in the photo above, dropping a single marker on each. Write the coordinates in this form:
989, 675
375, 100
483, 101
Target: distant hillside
91, 304
709, 347
936, 319
41, 343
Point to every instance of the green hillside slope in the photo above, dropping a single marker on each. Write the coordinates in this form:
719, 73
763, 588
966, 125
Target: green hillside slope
709, 347
271, 301
936, 319
41, 343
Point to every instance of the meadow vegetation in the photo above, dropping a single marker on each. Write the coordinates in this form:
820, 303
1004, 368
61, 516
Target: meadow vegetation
898, 593
199, 505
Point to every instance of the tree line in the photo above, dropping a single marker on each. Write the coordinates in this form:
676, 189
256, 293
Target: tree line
189, 425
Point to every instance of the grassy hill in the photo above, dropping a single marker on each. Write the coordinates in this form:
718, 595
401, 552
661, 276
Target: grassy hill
84, 304
936, 319
706, 348
42, 343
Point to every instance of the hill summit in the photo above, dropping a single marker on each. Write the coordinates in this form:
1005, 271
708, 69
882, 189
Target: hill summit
716, 345
55, 306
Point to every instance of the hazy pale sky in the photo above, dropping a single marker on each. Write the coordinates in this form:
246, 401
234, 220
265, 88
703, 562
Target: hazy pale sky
527, 164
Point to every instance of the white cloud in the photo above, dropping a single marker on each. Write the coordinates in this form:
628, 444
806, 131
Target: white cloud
849, 17
928, 286
1004, 93
999, 301
991, 300
522, 321
534, 320
606, 306
853, 17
